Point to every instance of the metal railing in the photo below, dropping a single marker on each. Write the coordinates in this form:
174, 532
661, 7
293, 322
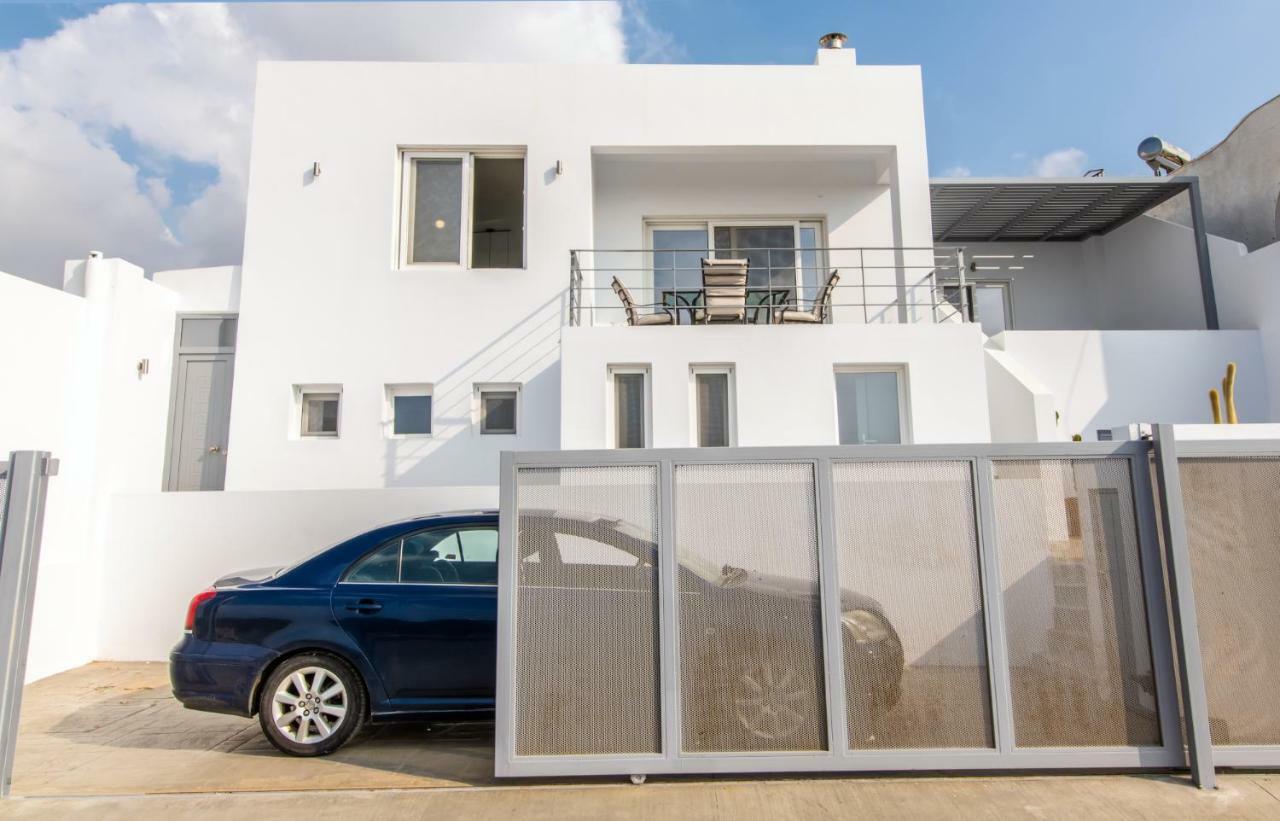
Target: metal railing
875, 285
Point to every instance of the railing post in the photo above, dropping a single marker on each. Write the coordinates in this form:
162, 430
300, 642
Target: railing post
964, 289
575, 289
862, 276
1173, 523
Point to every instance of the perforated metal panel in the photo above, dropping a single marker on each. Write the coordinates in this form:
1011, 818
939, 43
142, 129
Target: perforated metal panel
587, 611
751, 666
908, 557
1076, 626
1233, 533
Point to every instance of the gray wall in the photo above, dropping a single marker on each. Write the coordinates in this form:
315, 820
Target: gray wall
1239, 182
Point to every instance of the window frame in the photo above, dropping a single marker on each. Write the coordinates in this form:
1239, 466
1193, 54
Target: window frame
498, 387
407, 176
731, 392
611, 405
899, 370
711, 223
302, 393
400, 562
393, 390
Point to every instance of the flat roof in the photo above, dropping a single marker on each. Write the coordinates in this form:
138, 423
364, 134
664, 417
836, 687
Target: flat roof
968, 209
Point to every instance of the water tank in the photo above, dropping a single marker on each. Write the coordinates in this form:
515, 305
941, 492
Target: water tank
1161, 156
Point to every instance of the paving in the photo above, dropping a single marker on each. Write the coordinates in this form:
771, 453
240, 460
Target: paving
108, 741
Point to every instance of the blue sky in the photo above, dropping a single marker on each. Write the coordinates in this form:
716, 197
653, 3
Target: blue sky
1012, 87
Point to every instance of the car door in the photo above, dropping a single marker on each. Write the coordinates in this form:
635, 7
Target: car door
423, 609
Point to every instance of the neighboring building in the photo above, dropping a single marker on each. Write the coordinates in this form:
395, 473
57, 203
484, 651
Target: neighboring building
1240, 181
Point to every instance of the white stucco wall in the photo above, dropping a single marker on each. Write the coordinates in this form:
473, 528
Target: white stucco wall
1107, 379
323, 303
1248, 291
185, 541
784, 379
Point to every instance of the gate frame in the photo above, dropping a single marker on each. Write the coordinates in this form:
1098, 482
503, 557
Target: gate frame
1005, 755
1205, 755
26, 477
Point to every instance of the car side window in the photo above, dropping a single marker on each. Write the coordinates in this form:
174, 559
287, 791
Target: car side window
464, 555
382, 566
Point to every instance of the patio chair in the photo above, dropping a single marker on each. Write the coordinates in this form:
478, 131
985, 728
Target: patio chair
724, 288
634, 315
820, 310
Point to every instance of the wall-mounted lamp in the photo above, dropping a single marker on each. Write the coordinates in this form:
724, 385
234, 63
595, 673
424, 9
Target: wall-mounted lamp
315, 169
144, 367
559, 168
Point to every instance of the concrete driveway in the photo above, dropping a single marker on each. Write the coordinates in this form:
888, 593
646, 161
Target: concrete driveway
108, 741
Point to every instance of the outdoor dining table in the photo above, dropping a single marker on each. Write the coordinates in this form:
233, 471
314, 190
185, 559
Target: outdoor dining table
684, 303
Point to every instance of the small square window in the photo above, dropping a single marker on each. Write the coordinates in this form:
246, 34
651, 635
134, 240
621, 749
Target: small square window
499, 410
320, 414
408, 408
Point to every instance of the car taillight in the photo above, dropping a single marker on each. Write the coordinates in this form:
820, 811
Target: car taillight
196, 600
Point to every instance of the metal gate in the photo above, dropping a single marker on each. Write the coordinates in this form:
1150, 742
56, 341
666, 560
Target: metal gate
834, 608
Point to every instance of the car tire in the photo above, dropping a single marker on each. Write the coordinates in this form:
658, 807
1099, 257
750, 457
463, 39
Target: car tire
311, 705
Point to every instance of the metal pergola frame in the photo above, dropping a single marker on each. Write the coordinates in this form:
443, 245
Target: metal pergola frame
1005, 755
972, 209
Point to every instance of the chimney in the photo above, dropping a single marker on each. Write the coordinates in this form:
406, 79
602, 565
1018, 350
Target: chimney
832, 51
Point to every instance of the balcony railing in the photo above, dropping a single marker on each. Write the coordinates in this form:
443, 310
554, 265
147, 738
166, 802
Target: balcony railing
875, 284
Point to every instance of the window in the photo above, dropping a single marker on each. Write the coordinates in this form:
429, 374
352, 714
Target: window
630, 408
380, 567
319, 412
713, 406
409, 409
783, 254
870, 406
449, 555
990, 303
207, 332
462, 208
499, 408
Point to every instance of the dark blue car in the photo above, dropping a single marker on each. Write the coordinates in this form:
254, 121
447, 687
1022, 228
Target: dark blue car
400, 623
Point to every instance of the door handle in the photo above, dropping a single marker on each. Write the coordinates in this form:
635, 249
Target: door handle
365, 606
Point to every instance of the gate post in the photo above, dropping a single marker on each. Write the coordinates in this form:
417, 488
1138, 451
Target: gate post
21, 518
1173, 524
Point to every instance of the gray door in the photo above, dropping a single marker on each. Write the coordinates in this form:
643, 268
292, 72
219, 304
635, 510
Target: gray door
202, 414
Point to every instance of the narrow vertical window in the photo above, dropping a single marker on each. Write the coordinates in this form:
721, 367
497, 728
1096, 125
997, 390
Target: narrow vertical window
713, 399
437, 210
869, 407
497, 220
630, 408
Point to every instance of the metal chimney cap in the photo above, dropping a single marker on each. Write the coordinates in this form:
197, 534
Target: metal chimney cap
833, 40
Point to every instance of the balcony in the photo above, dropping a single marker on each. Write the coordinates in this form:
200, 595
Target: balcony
871, 285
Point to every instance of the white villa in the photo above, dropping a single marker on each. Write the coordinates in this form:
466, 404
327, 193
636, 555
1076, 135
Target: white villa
429, 279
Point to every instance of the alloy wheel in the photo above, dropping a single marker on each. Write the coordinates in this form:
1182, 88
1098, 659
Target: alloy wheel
309, 705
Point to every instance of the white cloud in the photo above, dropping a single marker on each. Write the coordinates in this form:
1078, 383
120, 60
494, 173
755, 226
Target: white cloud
957, 171
178, 81
1065, 162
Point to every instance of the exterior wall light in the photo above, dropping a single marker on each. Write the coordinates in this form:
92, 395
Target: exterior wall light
315, 169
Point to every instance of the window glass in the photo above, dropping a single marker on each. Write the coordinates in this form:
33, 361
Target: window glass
497, 218
380, 567
451, 556
498, 412
208, 332
437, 210
320, 414
411, 415
713, 409
629, 410
867, 406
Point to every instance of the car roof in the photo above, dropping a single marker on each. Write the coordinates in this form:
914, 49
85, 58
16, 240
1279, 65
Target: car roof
446, 514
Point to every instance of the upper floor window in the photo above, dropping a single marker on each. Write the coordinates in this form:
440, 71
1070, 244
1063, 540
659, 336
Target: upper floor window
630, 397
462, 208
713, 406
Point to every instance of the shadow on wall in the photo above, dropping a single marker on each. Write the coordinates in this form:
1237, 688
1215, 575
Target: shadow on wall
526, 354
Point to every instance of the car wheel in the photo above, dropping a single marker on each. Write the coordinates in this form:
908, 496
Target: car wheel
771, 700
311, 705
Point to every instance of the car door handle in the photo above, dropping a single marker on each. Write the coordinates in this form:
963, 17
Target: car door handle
365, 606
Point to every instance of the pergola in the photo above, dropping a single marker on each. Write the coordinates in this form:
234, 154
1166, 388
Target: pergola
1061, 210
